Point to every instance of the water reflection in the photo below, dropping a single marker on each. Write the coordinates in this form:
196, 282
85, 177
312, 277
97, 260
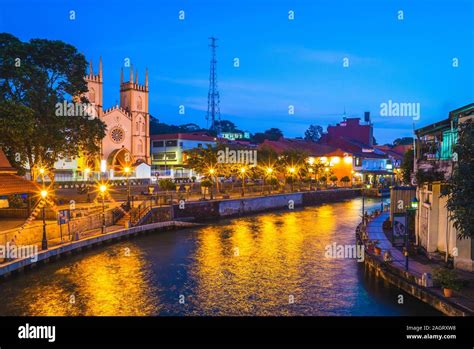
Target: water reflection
268, 264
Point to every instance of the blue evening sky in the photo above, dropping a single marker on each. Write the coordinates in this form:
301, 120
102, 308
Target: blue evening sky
282, 62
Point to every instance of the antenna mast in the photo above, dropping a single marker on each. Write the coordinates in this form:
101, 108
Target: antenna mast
213, 100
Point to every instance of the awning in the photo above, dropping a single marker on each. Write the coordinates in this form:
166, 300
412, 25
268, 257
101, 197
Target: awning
12, 184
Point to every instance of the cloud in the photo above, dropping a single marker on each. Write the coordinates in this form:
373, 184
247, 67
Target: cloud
324, 56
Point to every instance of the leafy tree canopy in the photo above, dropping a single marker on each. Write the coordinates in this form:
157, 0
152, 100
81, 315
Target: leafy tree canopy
460, 187
34, 77
313, 133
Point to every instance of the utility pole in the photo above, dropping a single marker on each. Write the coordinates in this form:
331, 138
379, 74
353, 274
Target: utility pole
213, 100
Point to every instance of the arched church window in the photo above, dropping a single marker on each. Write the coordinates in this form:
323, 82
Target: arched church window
140, 146
136, 126
143, 127
91, 95
139, 103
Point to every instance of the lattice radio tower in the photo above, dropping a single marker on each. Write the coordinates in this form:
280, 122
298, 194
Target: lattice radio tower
213, 100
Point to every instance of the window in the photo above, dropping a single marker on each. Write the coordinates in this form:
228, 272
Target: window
199, 145
170, 156
449, 140
136, 126
158, 144
173, 143
181, 144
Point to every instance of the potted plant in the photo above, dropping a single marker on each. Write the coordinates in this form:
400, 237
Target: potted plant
205, 185
377, 248
448, 280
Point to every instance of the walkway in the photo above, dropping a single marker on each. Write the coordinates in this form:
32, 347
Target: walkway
418, 265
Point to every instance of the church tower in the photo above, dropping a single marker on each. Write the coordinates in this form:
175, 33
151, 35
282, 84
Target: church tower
95, 83
134, 100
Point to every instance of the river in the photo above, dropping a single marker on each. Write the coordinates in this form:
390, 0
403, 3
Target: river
265, 264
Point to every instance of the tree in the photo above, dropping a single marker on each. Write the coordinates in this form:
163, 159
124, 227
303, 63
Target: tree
36, 77
345, 180
313, 133
226, 126
460, 186
157, 127
333, 179
403, 141
407, 166
272, 134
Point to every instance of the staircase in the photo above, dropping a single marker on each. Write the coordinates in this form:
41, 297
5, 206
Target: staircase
124, 220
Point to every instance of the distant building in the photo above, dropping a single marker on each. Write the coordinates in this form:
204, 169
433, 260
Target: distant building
336, 161
372, 164
434, 151
167, 152
350, 128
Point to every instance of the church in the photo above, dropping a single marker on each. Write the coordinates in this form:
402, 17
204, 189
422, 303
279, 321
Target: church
127, 140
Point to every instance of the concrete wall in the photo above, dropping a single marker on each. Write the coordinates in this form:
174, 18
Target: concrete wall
215, 209
436, 232
32, 235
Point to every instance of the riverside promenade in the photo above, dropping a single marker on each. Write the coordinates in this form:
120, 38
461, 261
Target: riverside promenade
460, 304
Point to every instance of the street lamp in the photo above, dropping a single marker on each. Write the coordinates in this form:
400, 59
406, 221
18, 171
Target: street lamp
211, 172
269, 174
292, 171
242, 171
44, 242
103, 190
127, 171
86, 173
363, 203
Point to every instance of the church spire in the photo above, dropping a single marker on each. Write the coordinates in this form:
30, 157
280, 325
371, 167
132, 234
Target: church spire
121, 76
131, 74
136, 78
91, 70
100, 68
146, 78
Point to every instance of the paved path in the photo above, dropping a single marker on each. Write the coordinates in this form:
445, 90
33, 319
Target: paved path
465, 297
375, 232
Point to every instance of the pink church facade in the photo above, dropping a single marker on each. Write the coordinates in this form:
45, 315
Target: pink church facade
127, 139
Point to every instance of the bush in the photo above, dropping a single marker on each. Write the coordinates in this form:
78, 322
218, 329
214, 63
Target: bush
206, 183
166, 184
15, 201
447, 278
345, 179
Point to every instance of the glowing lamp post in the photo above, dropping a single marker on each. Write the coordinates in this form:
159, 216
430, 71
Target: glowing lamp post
44, 241
269, 174
212, 172
292, 171
127, 171
103, 190
242, 171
